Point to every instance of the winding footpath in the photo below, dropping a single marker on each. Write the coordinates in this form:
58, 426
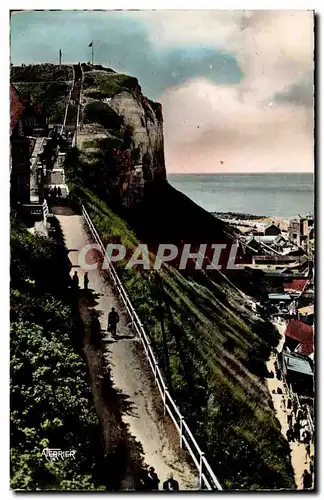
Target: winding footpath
129, 368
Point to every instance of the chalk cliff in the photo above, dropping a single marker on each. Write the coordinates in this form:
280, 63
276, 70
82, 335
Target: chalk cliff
121, 135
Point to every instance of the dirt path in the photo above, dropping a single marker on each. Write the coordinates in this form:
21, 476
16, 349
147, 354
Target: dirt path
298, 451
129, 371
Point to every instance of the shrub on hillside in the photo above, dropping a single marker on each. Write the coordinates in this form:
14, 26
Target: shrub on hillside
52, 97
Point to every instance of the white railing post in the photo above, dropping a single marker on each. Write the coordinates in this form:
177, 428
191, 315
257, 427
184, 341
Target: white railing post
155, 371
181, 430
164, 399
200, 468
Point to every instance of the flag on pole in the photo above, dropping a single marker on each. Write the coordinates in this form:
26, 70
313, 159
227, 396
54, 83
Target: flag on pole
90, 44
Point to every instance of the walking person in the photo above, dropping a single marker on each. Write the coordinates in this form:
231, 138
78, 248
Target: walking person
297, 431
290, 419
295, 406
75, 280
311, 465
153, 479
307, 452
59, 192
85, 281
307, 480
170, 484
55, 192
306, 437
113, 319
290, 434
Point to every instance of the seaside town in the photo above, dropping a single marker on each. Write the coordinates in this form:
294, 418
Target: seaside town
283, 249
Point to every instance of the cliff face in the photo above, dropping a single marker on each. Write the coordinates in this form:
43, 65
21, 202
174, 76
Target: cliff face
123, 131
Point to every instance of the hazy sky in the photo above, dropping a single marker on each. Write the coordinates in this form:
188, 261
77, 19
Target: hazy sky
236, 86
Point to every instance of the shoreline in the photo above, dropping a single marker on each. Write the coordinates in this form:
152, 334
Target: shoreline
239, 216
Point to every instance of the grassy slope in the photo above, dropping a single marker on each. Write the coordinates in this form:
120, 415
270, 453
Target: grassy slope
215, 353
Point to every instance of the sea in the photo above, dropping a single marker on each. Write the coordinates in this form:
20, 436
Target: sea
267, 194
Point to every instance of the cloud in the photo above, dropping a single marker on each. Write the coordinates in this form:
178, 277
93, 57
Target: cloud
265, 122
235, 85
273, 48
218, 127
299, 93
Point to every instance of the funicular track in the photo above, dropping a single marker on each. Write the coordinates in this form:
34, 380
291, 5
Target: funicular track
71, 117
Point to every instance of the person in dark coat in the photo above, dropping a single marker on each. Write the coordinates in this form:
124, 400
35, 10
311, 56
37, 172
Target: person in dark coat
290, 434
85, 281
75, 280
55, 192
307, 452
295, 406
311, 465
307, 480
153, 479
306, 436
113, 319
59, 192
297, 431
171, 484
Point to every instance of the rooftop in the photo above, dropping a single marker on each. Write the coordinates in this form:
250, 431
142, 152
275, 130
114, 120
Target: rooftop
278, 296
297, 285
297, 363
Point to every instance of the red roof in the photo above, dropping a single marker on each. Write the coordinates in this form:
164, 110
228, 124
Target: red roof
303, 333
16, 107
297, 285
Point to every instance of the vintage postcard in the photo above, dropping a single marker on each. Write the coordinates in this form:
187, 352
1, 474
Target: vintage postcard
162, 236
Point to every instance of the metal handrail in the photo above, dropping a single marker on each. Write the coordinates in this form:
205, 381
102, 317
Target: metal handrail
169, 405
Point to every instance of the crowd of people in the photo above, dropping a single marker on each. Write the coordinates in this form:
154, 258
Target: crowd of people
299, 432
54, 193
150, 481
